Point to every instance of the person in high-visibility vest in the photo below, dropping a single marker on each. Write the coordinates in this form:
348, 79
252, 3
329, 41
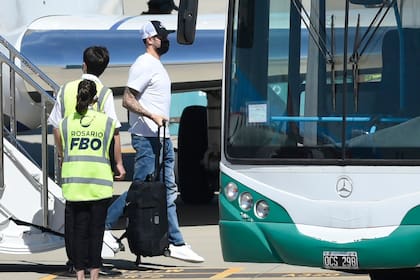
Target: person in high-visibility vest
86, 177
95, 61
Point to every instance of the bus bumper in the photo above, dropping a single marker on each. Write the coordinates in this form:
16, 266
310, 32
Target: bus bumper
282, 242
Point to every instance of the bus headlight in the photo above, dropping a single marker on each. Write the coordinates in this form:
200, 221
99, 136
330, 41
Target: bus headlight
246, 201
231, 191
262, 209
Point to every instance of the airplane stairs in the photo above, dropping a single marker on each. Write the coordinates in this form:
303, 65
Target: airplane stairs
31, 204
21, 213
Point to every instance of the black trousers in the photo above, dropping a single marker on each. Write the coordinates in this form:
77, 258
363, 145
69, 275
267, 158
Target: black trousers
84, 232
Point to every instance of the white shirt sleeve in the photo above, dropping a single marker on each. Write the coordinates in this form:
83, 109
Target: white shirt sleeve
55, 115
140, 74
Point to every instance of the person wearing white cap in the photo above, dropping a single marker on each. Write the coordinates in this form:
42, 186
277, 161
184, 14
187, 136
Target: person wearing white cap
147, 96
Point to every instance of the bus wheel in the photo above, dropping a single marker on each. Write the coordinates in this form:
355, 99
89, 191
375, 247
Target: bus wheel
192, 144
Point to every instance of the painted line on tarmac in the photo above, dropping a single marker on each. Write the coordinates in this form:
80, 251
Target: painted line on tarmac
128, 150
207, 273
144, 272
228, 272
293, 275
48, 277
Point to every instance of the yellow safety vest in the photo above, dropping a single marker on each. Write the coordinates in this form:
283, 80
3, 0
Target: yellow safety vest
68, 97
86, 171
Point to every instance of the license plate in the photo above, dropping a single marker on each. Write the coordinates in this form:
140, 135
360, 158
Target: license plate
341, 260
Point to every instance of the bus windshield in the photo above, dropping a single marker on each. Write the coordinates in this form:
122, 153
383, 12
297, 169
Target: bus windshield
322, 81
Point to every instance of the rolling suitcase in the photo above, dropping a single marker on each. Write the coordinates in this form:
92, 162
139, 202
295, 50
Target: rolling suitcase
146, 209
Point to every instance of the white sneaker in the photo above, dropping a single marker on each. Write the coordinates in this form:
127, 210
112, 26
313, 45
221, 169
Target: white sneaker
111, 242
184, 253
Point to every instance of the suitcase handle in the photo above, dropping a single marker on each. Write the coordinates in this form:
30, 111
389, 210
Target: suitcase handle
159, 166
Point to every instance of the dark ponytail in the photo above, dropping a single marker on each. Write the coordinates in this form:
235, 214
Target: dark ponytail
86, 93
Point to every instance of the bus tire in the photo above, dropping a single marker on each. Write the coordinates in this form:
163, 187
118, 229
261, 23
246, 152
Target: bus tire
192, 145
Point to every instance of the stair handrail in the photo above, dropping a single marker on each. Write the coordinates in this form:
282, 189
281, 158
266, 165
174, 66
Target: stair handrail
46, 98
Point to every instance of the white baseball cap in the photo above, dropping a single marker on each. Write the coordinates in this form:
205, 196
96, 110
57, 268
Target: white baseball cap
153, 28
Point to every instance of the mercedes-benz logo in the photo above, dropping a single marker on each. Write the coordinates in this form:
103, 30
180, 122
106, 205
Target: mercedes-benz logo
344, 187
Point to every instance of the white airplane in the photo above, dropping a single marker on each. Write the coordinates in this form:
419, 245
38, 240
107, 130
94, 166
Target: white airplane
52, 36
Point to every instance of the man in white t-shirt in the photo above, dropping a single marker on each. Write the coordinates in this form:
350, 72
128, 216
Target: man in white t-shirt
95, 61
148, 99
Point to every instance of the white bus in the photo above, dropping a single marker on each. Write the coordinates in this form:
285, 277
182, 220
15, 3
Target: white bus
320, 142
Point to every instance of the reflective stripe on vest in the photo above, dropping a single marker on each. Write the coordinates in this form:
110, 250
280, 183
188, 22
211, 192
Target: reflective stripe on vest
68, 97
103, 95
72, 180
87, 158
86, 170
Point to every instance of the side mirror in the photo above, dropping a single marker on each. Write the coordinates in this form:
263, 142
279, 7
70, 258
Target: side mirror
187, 18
